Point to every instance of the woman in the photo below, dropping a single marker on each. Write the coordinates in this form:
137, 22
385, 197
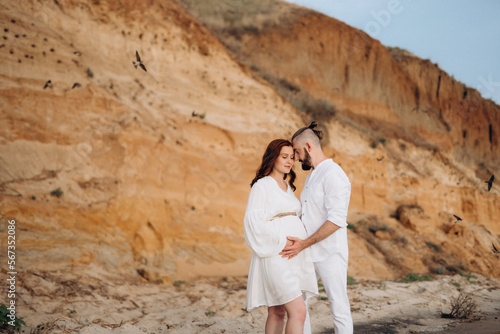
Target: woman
272, 214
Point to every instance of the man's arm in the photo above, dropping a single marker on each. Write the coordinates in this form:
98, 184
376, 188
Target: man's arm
337, 189
298, 245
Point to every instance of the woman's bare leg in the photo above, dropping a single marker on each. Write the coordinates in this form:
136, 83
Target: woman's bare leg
296, 310
275, 319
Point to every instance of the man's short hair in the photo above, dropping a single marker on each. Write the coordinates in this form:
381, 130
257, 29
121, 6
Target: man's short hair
309, 134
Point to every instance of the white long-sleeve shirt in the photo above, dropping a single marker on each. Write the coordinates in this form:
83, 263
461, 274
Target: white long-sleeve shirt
326, 196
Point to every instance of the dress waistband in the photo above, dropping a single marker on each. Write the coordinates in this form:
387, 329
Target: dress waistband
284, 214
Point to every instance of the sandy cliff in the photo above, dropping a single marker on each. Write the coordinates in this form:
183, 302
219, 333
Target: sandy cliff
408, 135
144, 183
154, 167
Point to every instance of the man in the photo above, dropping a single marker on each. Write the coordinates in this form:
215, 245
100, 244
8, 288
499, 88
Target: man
325, 200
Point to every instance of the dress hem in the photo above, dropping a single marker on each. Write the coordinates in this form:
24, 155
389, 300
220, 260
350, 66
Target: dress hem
301, 294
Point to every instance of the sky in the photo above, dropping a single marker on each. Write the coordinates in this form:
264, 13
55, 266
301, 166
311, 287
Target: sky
461, 36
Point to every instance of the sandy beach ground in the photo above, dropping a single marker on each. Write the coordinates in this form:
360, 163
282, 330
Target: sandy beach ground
93, 300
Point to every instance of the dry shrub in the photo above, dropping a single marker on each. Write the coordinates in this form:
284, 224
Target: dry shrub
463, 307
317, 109
240, 17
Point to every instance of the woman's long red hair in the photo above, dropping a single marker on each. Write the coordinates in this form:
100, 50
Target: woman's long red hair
269, 158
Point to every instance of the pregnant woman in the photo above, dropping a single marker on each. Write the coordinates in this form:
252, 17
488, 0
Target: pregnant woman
272, 214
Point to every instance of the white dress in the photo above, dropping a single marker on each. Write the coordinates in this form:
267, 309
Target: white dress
273, 280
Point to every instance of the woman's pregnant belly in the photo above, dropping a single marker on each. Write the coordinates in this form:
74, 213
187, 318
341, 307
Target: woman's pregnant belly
291, 226
282, 274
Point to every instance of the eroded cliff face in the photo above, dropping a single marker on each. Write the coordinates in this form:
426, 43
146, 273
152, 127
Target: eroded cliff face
405, 132
154, 167
392, 94
145, 184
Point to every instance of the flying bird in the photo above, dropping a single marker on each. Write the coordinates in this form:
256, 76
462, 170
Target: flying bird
458, 218
76, 84
490, 182
77, 53
380, 159
495, 250
48, 84
139, 62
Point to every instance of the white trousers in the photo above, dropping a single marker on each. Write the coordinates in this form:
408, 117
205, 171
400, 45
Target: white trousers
333, 274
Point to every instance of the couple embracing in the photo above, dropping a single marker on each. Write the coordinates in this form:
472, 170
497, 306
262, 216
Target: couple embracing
296, 243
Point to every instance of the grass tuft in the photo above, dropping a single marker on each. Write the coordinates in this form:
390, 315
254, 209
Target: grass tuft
415, 278
6, 323
376, 228
57, 192
468, 276
179, 283
440, 270
437, 248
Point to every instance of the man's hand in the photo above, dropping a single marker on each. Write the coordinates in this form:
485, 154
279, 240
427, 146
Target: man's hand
288, 243
293, 247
